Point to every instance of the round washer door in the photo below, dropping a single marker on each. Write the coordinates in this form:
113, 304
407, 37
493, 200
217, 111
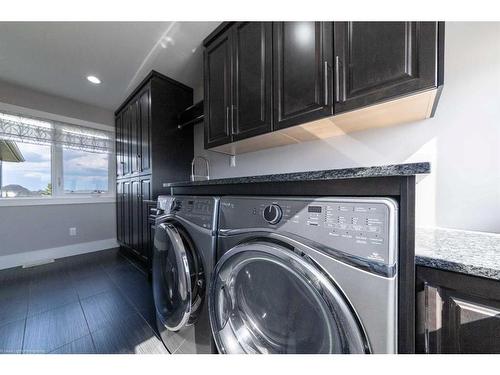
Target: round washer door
265, 298
178, 285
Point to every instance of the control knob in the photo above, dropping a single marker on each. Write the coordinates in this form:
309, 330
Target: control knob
273, 214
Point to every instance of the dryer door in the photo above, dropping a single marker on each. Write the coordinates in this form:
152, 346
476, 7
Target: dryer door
178, 285
265, 298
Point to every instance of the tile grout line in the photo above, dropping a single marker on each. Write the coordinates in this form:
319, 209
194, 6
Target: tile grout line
133, 264
135, 308
71, 342
122, 318
88, 327
54, 308
26, 315
85, 316
130, 301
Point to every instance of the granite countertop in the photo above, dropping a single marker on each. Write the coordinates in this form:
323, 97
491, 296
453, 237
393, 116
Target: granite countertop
409, 169
472, 253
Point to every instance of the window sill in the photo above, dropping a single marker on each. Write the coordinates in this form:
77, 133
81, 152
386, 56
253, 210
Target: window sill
9, 202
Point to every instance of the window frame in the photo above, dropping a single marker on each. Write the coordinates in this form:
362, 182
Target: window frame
59, 196
58, 176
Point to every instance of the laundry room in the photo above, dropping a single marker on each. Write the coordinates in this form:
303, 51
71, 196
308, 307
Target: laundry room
215, 179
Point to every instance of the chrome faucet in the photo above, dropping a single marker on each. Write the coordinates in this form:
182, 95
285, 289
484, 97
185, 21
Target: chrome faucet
195, 177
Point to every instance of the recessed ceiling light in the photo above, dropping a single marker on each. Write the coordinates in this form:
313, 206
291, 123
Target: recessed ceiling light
94, 80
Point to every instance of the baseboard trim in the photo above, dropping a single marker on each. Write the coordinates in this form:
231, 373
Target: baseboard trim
39, 256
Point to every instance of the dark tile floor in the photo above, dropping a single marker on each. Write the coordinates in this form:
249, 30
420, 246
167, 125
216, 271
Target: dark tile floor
93, 303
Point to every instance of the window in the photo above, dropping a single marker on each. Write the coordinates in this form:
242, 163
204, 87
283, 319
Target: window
43, 158
85, 172
30, 178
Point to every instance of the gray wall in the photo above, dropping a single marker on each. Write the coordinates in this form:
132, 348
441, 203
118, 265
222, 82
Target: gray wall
29, 228
26, 97
462, 141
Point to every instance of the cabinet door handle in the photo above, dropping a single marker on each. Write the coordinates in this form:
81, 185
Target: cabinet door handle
233, 109
337, 79
326, 82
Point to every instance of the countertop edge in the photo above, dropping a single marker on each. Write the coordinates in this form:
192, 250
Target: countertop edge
392, 170
452, 266
467, 252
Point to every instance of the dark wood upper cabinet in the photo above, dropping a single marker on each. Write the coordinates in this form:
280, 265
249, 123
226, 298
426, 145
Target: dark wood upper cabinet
135, 131
252, 79
302, 72
282, 77
457, 313
119, 145
144, 152
377, 61
218, 89
126, 142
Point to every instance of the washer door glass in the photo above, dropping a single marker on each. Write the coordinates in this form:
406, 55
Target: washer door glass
177, 277
265, 298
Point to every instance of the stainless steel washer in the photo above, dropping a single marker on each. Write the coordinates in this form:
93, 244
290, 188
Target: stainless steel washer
305, 275
183, 260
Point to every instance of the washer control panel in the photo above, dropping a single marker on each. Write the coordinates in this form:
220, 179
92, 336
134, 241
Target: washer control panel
363, 227
198, 210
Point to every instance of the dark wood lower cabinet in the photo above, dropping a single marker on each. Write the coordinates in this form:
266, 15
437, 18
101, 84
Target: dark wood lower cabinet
119, 211
132, 215
126, 213
457, 313
135, 219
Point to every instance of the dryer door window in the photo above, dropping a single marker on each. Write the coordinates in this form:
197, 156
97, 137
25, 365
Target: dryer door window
178, 284
265, 298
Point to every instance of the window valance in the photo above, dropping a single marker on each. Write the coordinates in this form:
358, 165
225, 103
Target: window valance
21, 128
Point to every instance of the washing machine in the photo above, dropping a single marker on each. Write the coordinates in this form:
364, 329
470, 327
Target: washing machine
183, 260
305, 275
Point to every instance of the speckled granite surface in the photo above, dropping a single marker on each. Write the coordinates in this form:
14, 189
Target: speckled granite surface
472, 253
409, 169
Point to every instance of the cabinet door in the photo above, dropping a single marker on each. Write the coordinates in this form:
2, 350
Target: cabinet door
457, 313
376, 61
217, 102
126, 139
119, 143
471, 325
135, 131
135, 214
144, 153
252, 79
144, 232
126, 204
302, 72
119, 211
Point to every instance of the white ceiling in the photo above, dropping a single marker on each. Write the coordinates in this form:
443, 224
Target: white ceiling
56, 57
